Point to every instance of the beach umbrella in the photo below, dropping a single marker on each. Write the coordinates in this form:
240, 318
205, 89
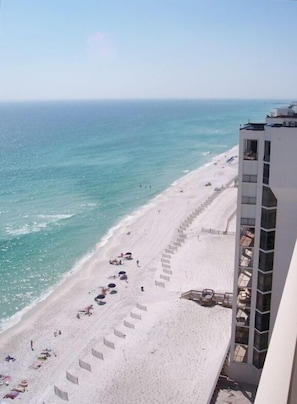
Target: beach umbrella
100, 297
128, 253
122, 273
113, 292
112, 285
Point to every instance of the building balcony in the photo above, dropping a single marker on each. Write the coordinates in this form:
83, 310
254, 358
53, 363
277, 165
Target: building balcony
248, 200
249, 155
242, 335
247, 236
245, 262
244, 297
243, 316
244, 278
247, 221
251, 178
246, 258
240, 353
250, 146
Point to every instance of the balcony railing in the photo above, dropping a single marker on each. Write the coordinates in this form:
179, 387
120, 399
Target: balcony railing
250, 155
249, 178
249, 200
247, 221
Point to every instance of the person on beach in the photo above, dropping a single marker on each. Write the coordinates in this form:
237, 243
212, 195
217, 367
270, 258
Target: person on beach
137, 262
32, 349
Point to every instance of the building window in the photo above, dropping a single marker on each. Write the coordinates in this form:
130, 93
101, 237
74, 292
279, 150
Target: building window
248, 200
247, 221
268, 198
266, 169
250, 149
268, 218
266, 261
267, 240
242, 335
261, 340
249, 178
267, 150
264, 282
263, 301
262, 321
259, 359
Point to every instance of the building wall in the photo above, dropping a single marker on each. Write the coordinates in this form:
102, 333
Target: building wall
282, 181
278, 383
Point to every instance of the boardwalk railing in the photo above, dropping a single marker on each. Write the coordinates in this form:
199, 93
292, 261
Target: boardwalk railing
223, 299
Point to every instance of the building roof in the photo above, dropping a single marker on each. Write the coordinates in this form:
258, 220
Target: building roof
254, 126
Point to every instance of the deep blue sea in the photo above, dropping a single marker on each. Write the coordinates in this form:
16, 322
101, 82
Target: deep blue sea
71, 171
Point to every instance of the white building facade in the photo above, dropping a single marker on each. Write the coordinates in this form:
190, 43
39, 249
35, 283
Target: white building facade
265, 237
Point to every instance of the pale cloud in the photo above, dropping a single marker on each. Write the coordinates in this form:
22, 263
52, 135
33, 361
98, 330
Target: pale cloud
100, 46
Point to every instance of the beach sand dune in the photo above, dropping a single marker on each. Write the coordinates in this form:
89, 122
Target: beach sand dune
145, 344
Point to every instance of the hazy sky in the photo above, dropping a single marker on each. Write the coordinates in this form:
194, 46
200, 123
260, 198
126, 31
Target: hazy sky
85, 49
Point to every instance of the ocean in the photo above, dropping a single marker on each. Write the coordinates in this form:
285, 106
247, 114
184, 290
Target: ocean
71, 171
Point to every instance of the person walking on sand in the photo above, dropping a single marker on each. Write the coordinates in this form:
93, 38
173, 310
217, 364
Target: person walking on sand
32, 349
137, 262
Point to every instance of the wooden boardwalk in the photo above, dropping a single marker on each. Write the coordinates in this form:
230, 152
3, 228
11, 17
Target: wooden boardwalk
208, 297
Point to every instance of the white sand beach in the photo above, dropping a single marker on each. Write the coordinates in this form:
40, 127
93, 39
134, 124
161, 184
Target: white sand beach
141, 346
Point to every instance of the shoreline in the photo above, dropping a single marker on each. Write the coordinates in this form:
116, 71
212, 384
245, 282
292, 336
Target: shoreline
111, 232
146, 234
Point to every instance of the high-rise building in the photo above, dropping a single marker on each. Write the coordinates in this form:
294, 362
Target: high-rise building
265, 237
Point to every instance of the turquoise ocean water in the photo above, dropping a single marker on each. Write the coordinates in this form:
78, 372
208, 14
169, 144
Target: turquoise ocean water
71, 171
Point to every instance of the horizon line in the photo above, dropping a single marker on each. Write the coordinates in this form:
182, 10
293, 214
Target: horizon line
142, 99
